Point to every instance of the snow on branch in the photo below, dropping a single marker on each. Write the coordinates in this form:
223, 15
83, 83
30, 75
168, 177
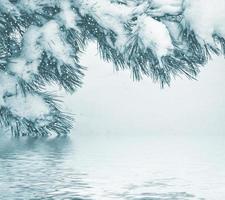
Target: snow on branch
41, 42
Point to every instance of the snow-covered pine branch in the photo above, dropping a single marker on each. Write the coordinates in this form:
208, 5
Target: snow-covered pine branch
41, 41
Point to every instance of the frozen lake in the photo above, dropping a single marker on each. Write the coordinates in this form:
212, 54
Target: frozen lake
130, 141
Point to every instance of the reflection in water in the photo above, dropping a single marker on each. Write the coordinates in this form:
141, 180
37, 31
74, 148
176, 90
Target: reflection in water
33, 168
58, 168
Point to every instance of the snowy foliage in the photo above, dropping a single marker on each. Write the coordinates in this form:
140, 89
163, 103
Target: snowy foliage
41, 41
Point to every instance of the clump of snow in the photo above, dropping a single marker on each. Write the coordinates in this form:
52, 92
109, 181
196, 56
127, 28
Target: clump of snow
52, 42
154, 35
102, 8
7, 85
175, 29
27, 63
30, 106
68, 15
162, 7
36, 40
205, 18
110, 16
22, 68
31, 45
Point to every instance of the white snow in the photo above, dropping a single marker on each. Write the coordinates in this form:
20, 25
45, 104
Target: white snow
27, 63
7, 84
35, 40
52, 41
110, 16
162, 7
154, 35
31, 48
205, 17
68, 15
31, 107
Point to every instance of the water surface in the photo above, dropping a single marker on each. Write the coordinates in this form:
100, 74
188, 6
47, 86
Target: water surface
107, 168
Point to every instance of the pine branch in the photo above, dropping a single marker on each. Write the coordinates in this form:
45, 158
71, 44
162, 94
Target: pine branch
41, 43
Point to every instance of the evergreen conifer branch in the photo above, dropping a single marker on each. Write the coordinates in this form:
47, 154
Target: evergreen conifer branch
41, 42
